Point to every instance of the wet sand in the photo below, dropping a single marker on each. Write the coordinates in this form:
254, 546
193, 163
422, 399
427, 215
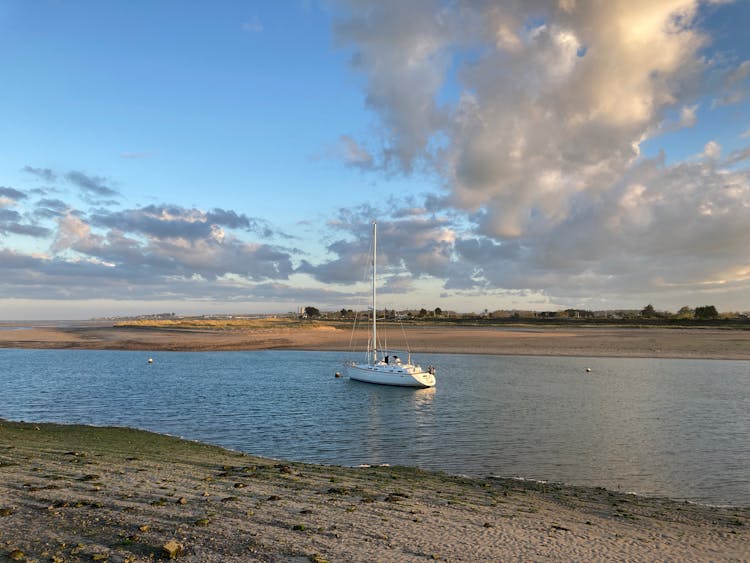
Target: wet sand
76, 493
575, 341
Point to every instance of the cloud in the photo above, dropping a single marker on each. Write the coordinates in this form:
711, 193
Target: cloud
171, 241
354, 154
91, 185
413, 246
712, 149
11, 194
50, 208
11, 221
533, 114
738, 156
157, 221
688, 117
399, 48
56, 278
45, 277
9, 215
155, 252
35, 231
665, 230
735, 87
173, 221
349, 151
45, 174
550, 100
229, 219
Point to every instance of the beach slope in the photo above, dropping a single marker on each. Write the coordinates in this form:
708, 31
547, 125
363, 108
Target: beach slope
116, 494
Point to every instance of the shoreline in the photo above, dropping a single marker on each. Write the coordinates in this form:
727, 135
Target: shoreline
117, 494
646, 342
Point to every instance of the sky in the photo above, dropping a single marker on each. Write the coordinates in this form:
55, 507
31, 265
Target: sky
229, 157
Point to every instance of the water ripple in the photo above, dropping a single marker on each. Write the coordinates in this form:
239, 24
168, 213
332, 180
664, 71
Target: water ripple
660, 427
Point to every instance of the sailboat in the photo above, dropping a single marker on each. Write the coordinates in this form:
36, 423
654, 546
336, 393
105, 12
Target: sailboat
382, 367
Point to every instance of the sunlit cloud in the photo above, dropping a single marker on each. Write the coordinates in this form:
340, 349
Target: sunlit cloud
712, 149
540, 145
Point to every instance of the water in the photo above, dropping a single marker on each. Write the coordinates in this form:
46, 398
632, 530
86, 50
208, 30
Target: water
678, 428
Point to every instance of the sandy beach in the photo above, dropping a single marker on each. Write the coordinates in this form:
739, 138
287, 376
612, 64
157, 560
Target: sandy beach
708, 343
76, 493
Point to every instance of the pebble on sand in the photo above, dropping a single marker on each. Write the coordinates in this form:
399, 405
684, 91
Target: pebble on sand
172, 549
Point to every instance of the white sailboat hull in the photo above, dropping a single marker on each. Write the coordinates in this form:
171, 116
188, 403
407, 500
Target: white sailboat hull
384, 374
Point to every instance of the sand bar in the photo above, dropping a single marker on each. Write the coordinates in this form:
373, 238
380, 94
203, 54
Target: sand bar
709, 343
84, 493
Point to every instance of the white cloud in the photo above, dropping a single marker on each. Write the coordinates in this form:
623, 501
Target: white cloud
72, 233
688, 116
545, 112
712, 149
401, 54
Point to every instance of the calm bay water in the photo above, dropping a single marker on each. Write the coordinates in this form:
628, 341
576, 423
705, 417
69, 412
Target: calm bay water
678, 428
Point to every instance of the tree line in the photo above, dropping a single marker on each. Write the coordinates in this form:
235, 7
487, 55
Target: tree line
700, 313
705, 312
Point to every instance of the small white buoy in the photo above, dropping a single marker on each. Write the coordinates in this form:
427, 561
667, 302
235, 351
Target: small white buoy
150, 360
588, 370
338, 374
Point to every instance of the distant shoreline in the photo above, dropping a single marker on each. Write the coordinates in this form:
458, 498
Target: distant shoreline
647, 342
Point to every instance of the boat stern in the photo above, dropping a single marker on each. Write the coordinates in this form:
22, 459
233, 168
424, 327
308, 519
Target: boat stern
425, 379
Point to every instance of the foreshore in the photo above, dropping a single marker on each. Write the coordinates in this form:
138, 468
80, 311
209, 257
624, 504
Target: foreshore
694, 343
71, 493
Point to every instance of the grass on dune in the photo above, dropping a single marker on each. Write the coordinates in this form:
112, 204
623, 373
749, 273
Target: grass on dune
219, 324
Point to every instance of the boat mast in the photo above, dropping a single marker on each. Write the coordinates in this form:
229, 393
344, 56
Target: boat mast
374, 303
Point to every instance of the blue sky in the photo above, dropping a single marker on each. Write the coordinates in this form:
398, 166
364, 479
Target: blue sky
229, 157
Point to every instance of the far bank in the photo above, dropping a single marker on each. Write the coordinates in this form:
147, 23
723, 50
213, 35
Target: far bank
544, 340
